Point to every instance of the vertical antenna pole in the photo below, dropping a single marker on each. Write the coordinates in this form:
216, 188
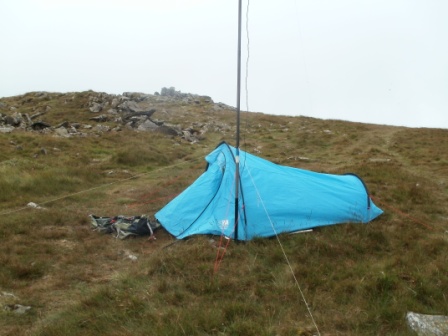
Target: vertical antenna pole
238, 105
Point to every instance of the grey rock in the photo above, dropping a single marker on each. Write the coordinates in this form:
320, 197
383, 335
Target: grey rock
13, 120
428, 325
100, 118
72, 130
9, 295
17, 308
37, 114
171, 92
129, 106
6, 129
28, 119
158, 122
187, 136
132, 107
47, 130
148, 125
34, 205
62, 132
114, 103
96, 107
102, 128
123, 98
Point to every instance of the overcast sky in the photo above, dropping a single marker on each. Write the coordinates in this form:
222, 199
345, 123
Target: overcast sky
375, 61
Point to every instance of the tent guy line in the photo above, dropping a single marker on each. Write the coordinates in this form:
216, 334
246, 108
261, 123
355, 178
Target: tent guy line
284, 254
7, 212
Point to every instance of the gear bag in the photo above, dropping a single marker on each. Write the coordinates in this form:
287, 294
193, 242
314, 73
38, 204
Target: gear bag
124, 226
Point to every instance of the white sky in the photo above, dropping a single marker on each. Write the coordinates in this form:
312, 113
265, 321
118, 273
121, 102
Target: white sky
376, 61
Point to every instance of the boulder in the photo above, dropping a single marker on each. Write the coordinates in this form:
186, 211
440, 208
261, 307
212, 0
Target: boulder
95, 107
62, 132
148, 125
13, 120
114, 103
128, 106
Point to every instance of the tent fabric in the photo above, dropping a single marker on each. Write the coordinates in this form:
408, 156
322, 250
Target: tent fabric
273, 199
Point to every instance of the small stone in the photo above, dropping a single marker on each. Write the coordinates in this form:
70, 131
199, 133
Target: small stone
17, 308
34, 205
6, 129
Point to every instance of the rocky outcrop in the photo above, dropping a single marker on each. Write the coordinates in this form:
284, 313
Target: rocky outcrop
111, 113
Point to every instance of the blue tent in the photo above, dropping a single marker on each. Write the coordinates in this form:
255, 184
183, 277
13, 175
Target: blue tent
272, 199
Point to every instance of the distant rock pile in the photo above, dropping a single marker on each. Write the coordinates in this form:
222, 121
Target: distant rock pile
112, 113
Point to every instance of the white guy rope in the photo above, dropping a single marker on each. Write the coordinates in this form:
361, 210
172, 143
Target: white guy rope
284, 253
99, 187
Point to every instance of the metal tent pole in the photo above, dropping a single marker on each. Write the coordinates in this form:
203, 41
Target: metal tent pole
238, 104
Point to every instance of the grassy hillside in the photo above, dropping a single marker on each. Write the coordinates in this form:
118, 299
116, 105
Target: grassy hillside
357, 279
